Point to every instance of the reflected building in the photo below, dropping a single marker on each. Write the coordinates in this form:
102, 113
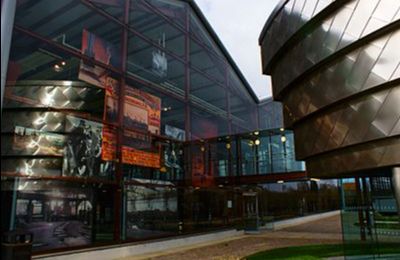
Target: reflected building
127, 120
335, 66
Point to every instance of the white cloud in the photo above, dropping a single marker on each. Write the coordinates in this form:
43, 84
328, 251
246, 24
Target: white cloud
238, 24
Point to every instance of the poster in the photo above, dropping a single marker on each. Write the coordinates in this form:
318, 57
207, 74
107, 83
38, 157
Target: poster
100, 50
142, 111
82, 155
175, 132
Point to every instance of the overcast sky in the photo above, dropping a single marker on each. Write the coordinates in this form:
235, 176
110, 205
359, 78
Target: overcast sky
238, 24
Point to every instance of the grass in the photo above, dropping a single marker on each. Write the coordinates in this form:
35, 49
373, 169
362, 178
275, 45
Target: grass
313, 252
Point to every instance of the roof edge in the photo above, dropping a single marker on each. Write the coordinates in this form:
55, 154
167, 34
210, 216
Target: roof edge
215, 37
271, 18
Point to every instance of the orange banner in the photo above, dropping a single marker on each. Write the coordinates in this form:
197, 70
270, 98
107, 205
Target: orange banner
141, 158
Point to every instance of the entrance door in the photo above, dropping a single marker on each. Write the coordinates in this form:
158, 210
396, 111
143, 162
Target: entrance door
250, 212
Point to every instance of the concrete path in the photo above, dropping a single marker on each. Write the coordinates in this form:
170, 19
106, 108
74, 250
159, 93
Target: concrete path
324, 231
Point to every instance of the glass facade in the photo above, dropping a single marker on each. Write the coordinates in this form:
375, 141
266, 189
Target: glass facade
127, 120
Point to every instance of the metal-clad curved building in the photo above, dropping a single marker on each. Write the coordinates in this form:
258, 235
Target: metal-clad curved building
335, 65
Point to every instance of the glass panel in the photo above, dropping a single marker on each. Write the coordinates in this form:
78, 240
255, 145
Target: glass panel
64, 22
370, 217
145, 19
61, 214
151, 212
150, 63
207, 125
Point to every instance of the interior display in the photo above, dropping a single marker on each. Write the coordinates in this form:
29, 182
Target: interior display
173, 158
82, 155
151, 211
100, 50
58, 216
174, 132
142, 111
159, 60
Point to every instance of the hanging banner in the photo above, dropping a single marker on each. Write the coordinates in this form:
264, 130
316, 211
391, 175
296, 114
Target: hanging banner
111, 100
142, 111
100, 50
109, 144
202, 170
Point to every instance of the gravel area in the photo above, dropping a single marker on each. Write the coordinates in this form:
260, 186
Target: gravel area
325, 231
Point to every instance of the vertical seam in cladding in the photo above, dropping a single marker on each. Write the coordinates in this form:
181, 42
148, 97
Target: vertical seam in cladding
369, 19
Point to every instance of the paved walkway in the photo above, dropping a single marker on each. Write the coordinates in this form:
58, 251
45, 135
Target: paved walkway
325, 231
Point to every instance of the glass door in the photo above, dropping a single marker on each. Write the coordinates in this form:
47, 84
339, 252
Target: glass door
250, 212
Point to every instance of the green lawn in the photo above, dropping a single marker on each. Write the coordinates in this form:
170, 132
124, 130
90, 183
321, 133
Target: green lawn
313, 252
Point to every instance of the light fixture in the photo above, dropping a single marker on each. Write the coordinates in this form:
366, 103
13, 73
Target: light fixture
57, 68
256, 133
63, 63
280, 181
202, 148
282, 129
283, 138
228, 146
257, 142
251, 143
314, 179
165, 109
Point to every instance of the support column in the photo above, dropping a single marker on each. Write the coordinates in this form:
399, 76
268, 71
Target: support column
7, 23
396, 186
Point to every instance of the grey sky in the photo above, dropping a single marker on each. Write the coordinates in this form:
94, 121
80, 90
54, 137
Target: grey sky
238, 24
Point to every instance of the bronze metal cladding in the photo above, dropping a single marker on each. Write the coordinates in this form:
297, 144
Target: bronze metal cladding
335, 65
